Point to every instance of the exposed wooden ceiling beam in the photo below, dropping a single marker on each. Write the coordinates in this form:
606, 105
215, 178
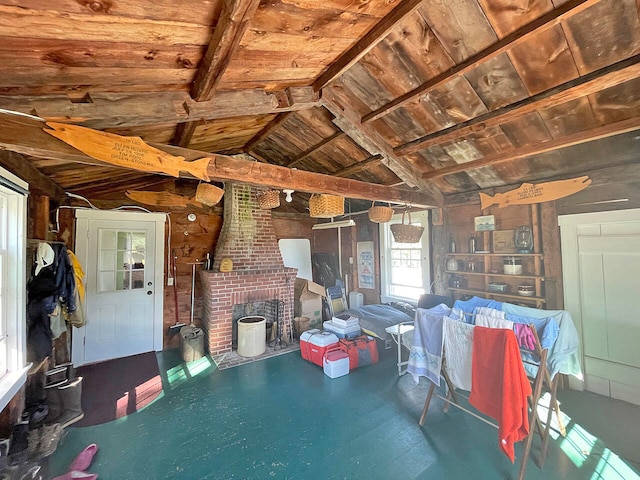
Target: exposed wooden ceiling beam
610, 130
370, 140
27, 136
227, 33
38, 182
233, 22
315, 148
542, 23
367, 42
358, 167
265, 132
273, 176
184, 133
590, 83
121, 110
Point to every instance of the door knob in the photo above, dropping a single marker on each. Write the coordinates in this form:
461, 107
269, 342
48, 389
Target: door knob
149, 292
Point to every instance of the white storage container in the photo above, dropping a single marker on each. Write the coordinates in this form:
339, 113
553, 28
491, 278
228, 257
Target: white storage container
348, 321
342, 332
335, 363
356, 299
252, 336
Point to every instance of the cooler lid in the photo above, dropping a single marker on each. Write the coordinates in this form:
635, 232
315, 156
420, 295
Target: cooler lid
335, 355
322, 339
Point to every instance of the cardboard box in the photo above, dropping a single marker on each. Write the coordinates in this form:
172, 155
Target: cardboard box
308, 300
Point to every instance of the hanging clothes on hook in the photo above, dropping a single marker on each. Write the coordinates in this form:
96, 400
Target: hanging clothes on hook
51, 286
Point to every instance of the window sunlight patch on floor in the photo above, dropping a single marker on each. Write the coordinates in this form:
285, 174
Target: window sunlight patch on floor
179, 374
200, 366
578, 445
612, 467
583, 448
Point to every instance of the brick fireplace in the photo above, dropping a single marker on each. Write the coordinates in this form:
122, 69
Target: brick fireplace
248, 239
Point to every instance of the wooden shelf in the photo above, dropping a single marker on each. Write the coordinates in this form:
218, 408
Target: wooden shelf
488, 274
486, 293
540, 255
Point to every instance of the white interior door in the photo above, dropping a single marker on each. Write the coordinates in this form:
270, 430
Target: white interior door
123, 266
601, 268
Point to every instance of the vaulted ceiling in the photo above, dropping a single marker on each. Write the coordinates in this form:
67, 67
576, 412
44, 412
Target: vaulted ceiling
432, 97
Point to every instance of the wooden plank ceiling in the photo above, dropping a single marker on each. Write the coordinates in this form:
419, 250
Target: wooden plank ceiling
438, 97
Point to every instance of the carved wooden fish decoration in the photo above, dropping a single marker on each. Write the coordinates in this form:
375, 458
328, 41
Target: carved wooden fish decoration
162, 199
528, 193
126, 152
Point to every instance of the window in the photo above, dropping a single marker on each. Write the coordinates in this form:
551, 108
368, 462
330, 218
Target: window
13, 207
405, 266
120, 260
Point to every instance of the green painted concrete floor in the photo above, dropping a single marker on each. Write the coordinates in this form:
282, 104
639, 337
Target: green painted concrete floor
282, 418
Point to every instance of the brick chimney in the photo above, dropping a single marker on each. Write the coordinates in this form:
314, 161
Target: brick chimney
248, 239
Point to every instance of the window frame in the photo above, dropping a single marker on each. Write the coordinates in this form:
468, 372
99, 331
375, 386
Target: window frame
386, 240
14, 284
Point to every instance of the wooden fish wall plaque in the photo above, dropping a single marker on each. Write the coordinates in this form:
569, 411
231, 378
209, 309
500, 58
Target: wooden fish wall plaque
163, 199
126, 152
529, 193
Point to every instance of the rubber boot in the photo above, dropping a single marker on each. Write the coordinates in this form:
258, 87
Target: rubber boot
71, 396
54, 401
34, 388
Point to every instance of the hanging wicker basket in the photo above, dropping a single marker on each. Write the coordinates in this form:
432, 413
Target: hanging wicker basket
268, 199
405, 232
325, 206
208, 194
380, 213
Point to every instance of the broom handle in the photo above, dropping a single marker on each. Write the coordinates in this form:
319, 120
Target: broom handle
175, 286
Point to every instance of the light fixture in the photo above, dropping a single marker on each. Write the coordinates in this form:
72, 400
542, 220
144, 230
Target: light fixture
288, 192
340, 224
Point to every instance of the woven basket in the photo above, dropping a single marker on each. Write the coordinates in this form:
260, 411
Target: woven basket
325, 206
405, 232
208, 194
268, 199
380, 213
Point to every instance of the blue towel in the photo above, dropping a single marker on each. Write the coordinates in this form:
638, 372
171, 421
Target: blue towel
563, 355
469, 306
547, 328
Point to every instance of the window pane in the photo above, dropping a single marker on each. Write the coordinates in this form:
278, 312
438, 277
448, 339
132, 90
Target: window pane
122, 267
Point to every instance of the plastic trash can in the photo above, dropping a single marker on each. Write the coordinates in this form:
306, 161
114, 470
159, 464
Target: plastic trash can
191, 343
252, 333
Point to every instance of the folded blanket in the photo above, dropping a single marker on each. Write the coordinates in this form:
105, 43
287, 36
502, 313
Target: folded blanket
458, 345
499, 384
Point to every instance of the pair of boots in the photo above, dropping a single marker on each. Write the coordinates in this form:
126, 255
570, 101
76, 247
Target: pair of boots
64, 399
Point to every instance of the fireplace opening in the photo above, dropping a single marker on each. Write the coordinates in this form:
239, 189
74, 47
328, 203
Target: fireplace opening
269, 309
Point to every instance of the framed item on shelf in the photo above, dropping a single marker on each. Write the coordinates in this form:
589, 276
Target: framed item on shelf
504, 241
485, 223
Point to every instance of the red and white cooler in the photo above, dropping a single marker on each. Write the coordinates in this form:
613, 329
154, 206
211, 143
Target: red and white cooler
315, 343
335, 363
